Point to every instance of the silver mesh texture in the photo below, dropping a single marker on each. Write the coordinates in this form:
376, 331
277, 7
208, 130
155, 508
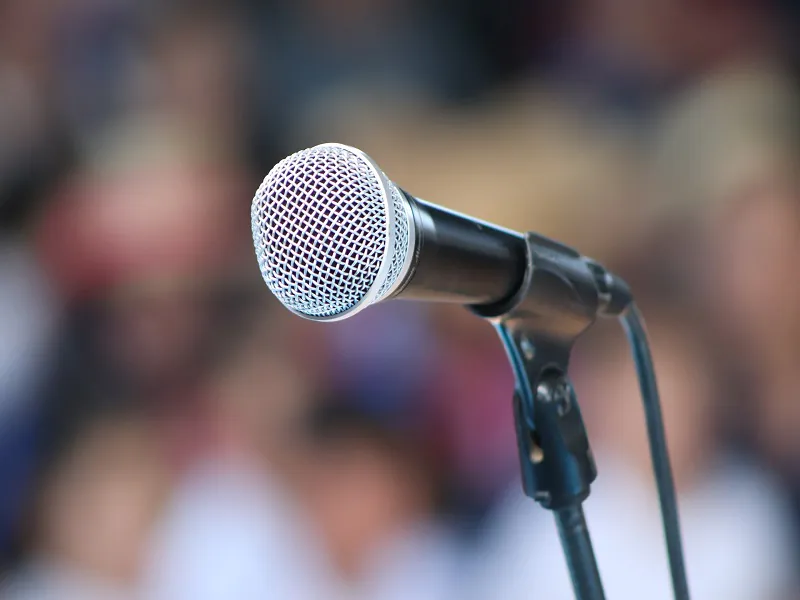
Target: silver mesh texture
326, 241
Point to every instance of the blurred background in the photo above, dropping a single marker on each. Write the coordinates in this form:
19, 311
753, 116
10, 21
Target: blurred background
167, 432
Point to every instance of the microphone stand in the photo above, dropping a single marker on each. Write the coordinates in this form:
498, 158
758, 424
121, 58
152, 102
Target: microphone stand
561, 295
556, 461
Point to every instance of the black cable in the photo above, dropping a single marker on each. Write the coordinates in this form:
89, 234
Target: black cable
632, 322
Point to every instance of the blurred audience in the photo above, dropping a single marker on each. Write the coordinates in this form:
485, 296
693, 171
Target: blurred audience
96, 505
166, 431
370, 496
734, 194
320, 56
30, 316
623, 56
232, 526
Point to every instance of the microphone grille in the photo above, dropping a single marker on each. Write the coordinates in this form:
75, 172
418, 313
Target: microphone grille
331, 232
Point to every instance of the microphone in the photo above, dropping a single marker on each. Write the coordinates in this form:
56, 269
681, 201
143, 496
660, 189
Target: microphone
333, 235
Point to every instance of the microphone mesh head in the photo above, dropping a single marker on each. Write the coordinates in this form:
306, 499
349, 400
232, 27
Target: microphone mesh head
331, 232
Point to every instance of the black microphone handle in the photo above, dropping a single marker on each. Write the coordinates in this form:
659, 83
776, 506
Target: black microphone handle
461, 259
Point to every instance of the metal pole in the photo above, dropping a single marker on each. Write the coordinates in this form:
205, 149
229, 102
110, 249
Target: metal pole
578, 550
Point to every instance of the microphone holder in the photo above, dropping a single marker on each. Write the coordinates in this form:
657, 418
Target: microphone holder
560, 297
555, 458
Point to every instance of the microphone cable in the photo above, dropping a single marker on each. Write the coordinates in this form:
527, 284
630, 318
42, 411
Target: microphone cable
633, 324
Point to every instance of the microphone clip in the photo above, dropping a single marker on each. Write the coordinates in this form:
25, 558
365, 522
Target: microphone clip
561, 296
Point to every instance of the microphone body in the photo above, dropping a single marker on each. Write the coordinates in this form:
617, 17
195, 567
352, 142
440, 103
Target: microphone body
460, 259
334, 235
